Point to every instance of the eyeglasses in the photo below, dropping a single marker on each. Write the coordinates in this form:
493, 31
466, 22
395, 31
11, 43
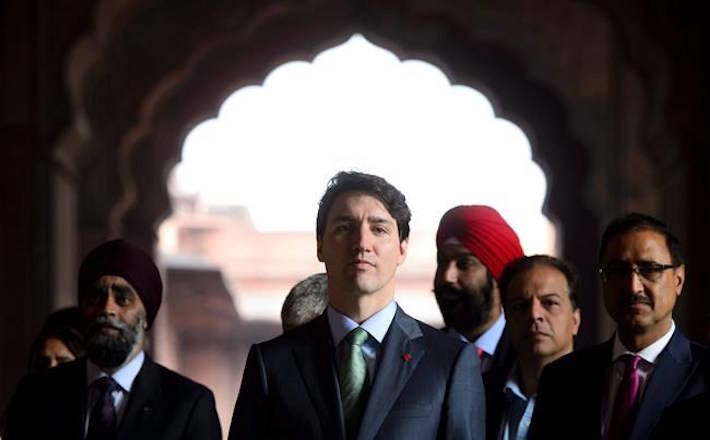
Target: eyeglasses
647, 270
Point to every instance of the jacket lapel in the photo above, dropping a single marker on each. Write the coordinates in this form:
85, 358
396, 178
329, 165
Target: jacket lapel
72, 411
673, 369
141, 415
315, 357
400, 354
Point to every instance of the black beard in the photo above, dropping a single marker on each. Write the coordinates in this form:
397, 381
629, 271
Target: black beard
109, 351
465, 309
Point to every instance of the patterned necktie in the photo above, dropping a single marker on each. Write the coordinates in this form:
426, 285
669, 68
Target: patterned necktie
353, 381
102, 421
622, 417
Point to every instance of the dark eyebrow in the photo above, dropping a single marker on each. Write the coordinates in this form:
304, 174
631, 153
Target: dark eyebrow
344, 218
379, 220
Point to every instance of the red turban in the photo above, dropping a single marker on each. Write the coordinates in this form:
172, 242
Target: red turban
481, 230
123, 259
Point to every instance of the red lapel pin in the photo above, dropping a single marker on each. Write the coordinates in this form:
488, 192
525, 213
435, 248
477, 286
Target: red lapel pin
406, 357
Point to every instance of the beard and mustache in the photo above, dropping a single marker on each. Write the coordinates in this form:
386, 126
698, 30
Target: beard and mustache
111, 350
464, 309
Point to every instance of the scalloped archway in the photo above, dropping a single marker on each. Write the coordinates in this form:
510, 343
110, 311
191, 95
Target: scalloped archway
140, 83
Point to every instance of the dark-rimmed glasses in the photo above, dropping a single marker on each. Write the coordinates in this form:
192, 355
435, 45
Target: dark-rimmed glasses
647, 270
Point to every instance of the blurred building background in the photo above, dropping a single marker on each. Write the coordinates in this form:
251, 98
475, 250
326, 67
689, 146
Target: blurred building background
97, 98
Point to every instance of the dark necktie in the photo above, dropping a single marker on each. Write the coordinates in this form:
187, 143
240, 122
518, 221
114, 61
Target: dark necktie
353, 381
622, 417
102, 421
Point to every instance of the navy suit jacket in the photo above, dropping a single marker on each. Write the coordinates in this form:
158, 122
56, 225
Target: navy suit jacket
427, 386
161, 405
687, 418
572, 389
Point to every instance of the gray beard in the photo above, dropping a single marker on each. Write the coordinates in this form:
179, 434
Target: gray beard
110, 351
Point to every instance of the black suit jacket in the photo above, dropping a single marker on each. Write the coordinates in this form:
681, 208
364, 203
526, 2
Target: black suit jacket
427, 386
161, 405
572, 389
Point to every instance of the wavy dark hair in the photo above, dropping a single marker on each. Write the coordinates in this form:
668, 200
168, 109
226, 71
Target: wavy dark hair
376, 186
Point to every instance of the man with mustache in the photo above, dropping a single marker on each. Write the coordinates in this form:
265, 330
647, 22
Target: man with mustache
474, 243
363, 369
619, 389
117, 391
540, 298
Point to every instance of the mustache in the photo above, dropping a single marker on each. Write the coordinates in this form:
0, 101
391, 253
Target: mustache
105, 320
447, 290
631, 300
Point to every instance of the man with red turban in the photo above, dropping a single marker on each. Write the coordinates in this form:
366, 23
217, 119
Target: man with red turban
474, 243
117, 391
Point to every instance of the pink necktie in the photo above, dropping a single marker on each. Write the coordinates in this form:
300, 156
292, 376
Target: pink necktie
625, 404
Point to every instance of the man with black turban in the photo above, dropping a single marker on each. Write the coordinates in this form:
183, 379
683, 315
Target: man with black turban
117, 391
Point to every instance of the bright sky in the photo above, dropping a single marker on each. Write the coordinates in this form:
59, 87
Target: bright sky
358, 107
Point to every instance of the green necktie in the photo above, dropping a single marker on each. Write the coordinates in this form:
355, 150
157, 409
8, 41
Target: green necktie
353, 381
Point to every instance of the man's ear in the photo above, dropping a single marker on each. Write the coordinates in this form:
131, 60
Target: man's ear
403, 246
576, 320
679, 277
319, 251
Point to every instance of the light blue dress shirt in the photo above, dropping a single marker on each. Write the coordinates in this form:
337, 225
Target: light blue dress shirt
376, 325
518, 414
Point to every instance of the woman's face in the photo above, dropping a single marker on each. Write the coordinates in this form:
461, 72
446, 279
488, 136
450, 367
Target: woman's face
52, 353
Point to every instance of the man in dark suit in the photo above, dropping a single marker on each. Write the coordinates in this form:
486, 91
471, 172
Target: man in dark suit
619, 389
474, 243
117, 392
364, 369
540, 297
687, 418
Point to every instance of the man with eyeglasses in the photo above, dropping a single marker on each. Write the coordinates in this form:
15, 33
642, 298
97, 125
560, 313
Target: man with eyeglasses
619, 389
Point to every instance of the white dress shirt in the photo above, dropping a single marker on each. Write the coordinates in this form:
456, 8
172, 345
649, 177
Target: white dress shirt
124, 377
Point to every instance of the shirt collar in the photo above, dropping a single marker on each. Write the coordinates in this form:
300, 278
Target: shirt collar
124, 376
648, 354
376, 325
513, 383
488, 341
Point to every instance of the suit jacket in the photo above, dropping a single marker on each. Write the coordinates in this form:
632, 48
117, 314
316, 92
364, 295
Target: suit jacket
572, 389
427, 386
504, 355
161, 405
496, 401
687, 418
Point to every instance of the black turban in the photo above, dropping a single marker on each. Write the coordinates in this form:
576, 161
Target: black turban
123, 259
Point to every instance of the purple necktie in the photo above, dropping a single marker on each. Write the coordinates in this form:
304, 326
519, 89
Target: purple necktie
102, 421
622, 416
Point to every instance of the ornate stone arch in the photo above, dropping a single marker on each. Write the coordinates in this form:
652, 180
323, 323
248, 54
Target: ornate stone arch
152, 70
